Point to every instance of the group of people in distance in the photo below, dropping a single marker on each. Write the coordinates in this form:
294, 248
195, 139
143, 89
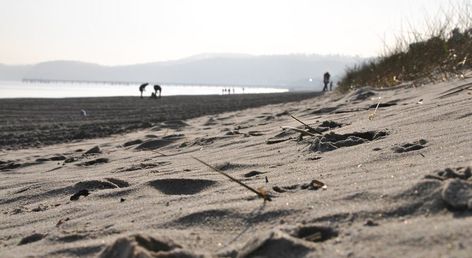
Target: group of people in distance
228, 91
154, 95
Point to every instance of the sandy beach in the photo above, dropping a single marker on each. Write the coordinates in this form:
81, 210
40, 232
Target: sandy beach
123, 181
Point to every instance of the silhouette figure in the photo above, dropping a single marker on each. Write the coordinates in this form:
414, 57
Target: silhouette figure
326, 77
156, 89
331, 86
142, 87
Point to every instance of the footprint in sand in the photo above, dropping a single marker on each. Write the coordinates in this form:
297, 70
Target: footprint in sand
294, 241
31, 238
131, 143
170, 124
159, 143
253, 173
181, 186
225, 166
407, 147
448, 189
140, 245
83, 188
328, 125
93, 162
142, 166
333, 141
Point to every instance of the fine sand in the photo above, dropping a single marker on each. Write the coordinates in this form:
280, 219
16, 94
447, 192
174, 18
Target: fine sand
392, 183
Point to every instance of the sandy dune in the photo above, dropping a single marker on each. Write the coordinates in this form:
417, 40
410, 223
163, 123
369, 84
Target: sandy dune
397, 184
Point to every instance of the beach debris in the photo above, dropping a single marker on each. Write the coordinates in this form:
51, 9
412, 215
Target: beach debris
62, 221
83, 192
264, 195
94, 150
283, 136
253, 173
372, 115
309, 128
302, 132
32, 238
370, 223
266, 180
420, 101
122, 199
83, 112
313, 185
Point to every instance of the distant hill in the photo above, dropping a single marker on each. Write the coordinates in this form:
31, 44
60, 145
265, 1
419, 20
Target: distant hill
13, 72
284, 71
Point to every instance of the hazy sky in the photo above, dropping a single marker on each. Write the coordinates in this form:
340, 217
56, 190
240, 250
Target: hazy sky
114, 32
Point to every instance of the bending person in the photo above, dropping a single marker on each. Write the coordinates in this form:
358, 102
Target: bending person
142, 87
156, 89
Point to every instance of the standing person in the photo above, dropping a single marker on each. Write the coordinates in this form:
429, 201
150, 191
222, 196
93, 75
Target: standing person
331, 86
326, 77
142, 87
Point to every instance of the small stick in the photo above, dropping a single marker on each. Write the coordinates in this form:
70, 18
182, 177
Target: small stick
262, 195
160, 153
371, 116
307, 126
298, 130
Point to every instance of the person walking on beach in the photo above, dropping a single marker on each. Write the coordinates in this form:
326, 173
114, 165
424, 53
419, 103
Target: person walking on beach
331, 86
326, 77
142, 87
156, 89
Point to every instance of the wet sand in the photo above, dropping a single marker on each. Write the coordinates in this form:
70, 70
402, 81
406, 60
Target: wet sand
38, 122
396, 182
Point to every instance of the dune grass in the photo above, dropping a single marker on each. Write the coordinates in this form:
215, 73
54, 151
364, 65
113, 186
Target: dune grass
443, 52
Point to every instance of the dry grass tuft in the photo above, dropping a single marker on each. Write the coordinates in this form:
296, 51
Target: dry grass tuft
442, 53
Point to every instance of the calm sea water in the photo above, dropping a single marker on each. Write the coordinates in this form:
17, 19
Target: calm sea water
14, 89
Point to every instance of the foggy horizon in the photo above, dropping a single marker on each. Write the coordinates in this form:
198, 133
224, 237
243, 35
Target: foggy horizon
122, 32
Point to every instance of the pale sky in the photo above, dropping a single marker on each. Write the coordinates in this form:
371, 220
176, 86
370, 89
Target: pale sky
114, 32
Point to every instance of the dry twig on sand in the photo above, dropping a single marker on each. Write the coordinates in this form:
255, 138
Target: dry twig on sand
263, 194
303, 132
371, 116
306, 125
158, 152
